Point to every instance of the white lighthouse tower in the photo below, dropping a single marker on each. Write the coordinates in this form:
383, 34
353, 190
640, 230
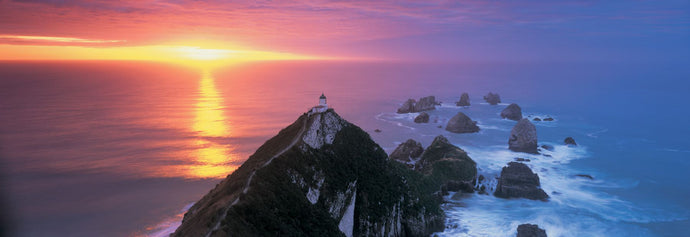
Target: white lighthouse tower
322, 106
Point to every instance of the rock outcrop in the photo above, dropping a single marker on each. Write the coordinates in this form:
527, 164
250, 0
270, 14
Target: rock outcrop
492, 99
448, 166
320, 176
425, 103
529, 230
422, 118
460, 123
407, 107
407, 151
523, 137
512, 112
464, 100
569, 141
518, 181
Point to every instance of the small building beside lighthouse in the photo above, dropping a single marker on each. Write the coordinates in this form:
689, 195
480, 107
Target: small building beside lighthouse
322, 106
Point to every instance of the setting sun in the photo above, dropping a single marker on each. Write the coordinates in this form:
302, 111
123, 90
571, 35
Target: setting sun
197, 53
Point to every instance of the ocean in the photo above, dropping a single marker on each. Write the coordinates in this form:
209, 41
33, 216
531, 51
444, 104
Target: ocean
123, 148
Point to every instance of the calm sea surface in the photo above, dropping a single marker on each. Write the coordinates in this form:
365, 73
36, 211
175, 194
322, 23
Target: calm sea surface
121, 148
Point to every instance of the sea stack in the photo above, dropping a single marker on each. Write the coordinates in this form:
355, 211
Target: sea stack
464, 100
518, 181
460, 123
422, 118
407, 107
570, 141
492, 99
512, 112
523, 137
425, 103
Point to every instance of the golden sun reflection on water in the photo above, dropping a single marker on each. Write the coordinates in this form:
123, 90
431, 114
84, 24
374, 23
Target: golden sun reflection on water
211, 158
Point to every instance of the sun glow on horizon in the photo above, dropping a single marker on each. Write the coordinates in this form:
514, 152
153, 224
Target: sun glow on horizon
191, 53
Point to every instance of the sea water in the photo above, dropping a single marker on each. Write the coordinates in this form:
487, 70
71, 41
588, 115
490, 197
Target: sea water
123, 148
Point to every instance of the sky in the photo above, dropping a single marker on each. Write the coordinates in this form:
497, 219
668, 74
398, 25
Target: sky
406, 30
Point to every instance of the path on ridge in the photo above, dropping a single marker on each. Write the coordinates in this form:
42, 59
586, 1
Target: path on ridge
249, 180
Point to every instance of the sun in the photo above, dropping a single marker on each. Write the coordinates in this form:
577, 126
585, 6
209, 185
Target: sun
198, 53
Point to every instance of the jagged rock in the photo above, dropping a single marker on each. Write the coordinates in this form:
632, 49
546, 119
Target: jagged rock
460, 123
320, 176
464, 100
512, 112
449, 165
518, 181
529, 230
536, 119
548, 119
407, 107
523, 137
425, 103
492, 99
409, 149
422, 118
547, 147
569, 141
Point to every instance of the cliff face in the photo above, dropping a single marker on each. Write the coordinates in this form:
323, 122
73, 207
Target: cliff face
320, 176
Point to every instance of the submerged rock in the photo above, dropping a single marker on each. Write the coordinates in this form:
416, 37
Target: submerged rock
518, 181
425, 103
422, 118
547, 147
529, 230
492, 99
585, 176
464, 100
512, 112
460, 123
536, 119
406, 151
569, 141
522, 159
548, 119
377, 130
407, 107
523, 137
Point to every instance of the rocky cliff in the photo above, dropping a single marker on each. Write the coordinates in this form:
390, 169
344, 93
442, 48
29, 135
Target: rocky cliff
320, 176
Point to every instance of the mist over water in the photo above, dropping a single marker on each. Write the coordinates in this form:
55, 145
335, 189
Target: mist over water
121, 148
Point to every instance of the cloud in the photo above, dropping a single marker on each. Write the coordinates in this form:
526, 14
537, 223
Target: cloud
319, 26
52, 40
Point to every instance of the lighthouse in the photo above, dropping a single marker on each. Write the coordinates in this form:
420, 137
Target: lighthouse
322, 106
322, 100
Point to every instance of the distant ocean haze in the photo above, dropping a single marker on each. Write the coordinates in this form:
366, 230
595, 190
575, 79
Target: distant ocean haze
120, 148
